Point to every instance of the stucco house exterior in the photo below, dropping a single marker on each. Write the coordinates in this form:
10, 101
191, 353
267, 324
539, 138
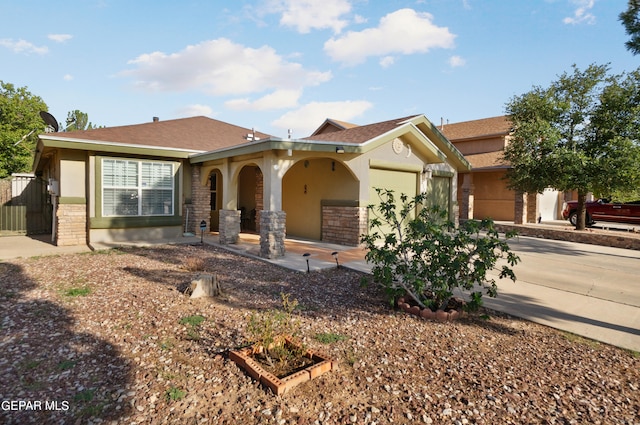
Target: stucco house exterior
482, 191
163, 178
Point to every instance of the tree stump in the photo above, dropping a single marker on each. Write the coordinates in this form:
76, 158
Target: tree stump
205, 286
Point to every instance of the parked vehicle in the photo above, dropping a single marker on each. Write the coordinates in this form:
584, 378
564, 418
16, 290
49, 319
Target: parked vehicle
604, 210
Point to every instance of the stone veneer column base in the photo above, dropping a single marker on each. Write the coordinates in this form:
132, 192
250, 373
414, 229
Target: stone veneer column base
71, 224
343, 225
272, 233
229, 226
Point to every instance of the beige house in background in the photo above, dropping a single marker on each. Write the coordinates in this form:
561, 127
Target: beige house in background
162, 179
483, 189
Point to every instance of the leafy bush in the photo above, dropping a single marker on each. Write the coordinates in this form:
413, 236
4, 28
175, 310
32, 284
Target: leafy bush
418, 251
270, 331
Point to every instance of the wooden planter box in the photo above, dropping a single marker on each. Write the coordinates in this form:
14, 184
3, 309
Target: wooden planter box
243, 358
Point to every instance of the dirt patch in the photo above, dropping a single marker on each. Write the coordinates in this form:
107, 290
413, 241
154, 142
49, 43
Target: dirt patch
108, 336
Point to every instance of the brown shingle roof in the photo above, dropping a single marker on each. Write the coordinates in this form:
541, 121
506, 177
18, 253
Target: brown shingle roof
360, 134
196, 133
477, 128
486, 160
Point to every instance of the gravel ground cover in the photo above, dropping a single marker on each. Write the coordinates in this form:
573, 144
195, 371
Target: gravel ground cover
109, 337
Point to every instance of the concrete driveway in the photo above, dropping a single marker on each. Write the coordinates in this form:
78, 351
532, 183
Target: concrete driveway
588, 290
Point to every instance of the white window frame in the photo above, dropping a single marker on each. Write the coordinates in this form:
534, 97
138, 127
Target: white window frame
139, 188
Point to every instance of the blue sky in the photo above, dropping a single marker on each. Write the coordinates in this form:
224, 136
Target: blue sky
288, 64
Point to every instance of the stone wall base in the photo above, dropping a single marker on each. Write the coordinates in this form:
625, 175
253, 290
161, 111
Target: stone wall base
272, 233
229, 226
71, 225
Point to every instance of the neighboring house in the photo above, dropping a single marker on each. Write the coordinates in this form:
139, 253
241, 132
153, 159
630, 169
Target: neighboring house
163, 178
484, 189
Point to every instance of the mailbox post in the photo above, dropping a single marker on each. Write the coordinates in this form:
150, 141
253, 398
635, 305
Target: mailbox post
203, 226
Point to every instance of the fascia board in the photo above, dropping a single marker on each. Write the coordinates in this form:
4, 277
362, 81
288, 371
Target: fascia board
273, 144
101, 146
442, 142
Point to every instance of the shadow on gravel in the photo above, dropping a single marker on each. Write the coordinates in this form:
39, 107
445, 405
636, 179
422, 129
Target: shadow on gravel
58, 375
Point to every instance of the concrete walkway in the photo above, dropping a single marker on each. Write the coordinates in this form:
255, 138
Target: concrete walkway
610, 321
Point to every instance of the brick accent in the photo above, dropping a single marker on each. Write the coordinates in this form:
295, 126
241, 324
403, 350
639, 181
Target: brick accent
71, 224
520, 208
272, 233
343, 224
229, 226
200, 209
532, 208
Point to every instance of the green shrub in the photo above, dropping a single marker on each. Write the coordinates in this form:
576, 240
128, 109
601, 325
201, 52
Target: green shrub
419, 252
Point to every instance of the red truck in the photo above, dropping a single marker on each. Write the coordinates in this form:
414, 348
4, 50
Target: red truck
604, 210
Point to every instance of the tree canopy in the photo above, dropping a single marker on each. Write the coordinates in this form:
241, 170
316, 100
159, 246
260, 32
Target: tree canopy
20, 124
579, 134
78, 120
631, 21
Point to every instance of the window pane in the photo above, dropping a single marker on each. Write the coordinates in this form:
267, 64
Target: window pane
156, 175
120, 202
157, 202
119, 173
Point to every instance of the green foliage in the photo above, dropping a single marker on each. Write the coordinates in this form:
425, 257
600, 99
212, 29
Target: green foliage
329, 338
631, 21
66, 364
175, 394
77, 291
192, 323
427, 257
270, 331
20, 124
579, 134
84, 395
78, 120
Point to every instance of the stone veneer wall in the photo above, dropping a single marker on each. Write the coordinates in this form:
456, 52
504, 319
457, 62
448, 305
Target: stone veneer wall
520, 208
71, 224
229, 232
532, 208
272, 233
200, 208
343, 224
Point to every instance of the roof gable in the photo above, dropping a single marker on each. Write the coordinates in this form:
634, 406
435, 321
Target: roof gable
330, 125
477, 128
360, 134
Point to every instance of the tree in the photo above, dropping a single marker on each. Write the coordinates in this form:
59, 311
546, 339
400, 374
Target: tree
426, 257
579, 134
631, 22
78, 120
20, 124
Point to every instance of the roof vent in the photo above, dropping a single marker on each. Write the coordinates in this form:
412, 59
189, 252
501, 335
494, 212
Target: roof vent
156, 119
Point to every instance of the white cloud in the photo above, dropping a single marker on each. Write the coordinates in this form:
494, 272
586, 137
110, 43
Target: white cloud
404, 31
60, 38
307, 15
67, 77
219, 68
23, 46
581, 14
387, 61
194, 110
305, 120
456, 61
279, 99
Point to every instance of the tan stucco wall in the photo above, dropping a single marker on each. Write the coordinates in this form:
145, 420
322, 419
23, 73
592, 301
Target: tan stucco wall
303, 189
72, 173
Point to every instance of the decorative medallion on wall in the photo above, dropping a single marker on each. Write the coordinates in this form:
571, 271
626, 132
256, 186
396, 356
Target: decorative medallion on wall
397, 146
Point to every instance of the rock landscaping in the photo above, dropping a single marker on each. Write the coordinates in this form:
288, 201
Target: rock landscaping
113, 337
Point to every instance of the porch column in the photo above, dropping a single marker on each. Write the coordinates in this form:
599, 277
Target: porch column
272, 218
201, 201
229, 232
467, 197
533, 212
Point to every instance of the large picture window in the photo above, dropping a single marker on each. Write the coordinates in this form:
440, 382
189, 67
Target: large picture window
137, 188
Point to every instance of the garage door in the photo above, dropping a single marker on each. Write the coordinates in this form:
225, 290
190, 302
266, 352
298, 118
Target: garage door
399, 181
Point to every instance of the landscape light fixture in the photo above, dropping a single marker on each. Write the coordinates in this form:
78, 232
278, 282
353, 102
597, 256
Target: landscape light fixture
335, 255
306, 256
